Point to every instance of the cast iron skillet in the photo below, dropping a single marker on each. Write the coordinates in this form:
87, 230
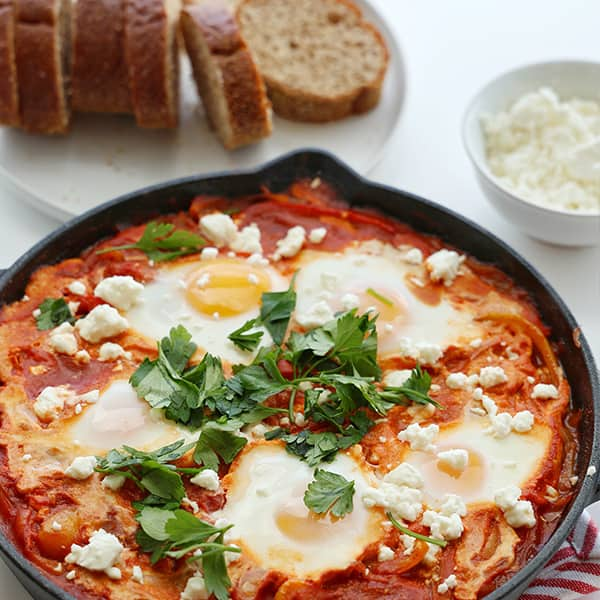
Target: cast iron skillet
74, 237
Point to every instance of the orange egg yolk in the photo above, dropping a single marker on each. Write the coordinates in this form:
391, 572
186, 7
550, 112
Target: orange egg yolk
226, 287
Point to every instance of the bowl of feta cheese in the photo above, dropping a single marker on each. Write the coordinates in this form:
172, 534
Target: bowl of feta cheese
533, 136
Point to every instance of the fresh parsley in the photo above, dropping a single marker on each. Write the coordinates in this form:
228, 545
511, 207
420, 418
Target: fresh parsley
177, 533
245, 339
217, 442
329, 492
418, 536
415, 388
161, 242
150, 471
276, 310
53, 312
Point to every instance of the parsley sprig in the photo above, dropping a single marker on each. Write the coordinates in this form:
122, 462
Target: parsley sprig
177, 533
162, 242
411, 533
329, 492
53, 312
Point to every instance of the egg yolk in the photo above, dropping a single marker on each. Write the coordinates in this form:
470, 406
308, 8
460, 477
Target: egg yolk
226, 287
297, 523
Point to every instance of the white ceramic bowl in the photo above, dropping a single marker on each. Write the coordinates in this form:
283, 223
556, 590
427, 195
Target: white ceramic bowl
569, 79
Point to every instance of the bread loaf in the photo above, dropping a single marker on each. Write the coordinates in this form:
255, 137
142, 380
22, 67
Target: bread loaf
232, 90
320, 59
9, 94
99, 77
152, 56
41, 50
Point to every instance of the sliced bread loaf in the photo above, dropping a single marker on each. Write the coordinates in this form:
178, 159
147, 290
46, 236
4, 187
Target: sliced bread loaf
99, 77
152, 56
9, 94
320, 59
232, 90
42, 57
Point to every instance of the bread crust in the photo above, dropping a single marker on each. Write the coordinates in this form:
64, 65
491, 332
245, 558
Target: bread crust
99, 77
151, 53
241, 85
41, 66
9, 94
297, 104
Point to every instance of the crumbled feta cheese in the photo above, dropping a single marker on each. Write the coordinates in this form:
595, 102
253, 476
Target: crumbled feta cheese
457, 381
299, 419
113, 482
544, 390
71, 575
350, 301
530, 379
62, 340
258, 260
385, 553
247, 240
291, 244
258, 431
396, 378
405, 474
122, 291
591, 471
404, 502
492, 376
209, 253
50, 402
442, 526
431, 557
318, 314
219, 228
102, 322
101, 553
420, 438
207, 479
185, 501
195, 589
453, 504
27, 457
522, 421
77, 287
476, 343
113, 573
137, 574
56, 526
413, 257
83, 356
111, 351
36, 313
82, 467
501, 425
545, 150
456, 459
89, 397
421, 412
78, 409
429, 354
443, 265
408, 542
518, 513
317, 235
448, 584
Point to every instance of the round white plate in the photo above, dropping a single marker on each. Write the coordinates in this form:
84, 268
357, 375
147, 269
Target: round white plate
105, 156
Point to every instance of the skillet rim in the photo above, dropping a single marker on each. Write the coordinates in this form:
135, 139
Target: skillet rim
33, 579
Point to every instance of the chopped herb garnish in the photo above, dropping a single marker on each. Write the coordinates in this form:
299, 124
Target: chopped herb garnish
217, 442
379, 297
329, 492
177, 533
418, 536
244, 340
276, 311
53, 312
161, 242
415, 388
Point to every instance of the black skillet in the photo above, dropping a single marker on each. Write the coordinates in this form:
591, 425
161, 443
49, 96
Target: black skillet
135, 208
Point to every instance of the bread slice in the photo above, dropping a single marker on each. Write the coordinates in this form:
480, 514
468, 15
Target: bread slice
320, 59
42, 58
99, 77
9, 93
152, 56
232, 90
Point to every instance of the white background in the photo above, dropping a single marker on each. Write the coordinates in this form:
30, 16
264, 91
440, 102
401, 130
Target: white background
450, 49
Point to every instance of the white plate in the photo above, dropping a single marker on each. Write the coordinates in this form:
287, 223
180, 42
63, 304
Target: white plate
106, 156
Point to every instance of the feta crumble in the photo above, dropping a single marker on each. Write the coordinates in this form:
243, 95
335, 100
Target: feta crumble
518, 513
492, 376
456, 459
420, 438
102, 322
111, 351
544, 391
444, 265
318, 314
385, 553
413, 256
209, 253
101, 553
448, 584
82, 467
77, 287
113, 482
396, 378
122, 291
219, 228
247, 240
62, 340
137, 574
291, 244
195, 588
317, 235
207, 479
50, 402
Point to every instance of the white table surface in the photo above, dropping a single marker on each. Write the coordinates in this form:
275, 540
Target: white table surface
451, 49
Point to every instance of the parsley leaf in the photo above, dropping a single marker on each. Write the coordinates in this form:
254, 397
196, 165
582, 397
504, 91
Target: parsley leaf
161, 242
53, 312
150, 471
177, 533
217, 442
244, 340
329, 492
418, 536
415, 388
276, 310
